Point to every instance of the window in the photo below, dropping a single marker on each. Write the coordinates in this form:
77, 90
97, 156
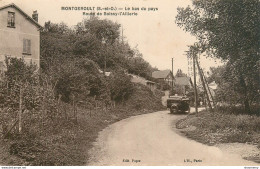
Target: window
11, 20
27, 46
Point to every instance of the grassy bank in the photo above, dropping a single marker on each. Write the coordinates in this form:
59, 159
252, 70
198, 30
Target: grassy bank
68, 143
222, 127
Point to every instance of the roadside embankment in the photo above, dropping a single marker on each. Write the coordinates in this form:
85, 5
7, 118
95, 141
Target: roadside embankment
68, 143
240, 131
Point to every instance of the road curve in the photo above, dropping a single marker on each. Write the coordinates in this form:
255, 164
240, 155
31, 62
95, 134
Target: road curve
151, 140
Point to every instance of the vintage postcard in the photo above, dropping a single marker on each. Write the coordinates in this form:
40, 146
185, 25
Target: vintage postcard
129, 83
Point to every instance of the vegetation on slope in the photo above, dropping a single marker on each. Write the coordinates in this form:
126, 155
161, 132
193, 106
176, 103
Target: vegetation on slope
53, 117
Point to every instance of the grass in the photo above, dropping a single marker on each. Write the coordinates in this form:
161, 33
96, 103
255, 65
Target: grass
66, 143
223, 127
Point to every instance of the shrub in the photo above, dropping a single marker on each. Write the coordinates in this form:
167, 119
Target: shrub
120, 85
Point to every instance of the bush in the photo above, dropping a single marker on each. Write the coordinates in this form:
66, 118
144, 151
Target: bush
23, 87
120, 86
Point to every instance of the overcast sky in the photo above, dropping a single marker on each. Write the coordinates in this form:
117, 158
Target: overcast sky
155, 32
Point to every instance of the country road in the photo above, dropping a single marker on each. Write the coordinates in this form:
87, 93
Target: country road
152, 140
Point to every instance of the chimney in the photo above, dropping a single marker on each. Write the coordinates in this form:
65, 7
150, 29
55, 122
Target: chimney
35, 16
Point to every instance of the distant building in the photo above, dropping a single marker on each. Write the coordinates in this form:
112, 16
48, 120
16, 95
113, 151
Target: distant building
19, 34
164, 76
182, 85
137, 79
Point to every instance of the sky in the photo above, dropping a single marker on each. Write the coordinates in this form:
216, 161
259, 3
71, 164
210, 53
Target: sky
155, 33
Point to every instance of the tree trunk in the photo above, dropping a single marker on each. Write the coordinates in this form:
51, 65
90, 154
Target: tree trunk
246, 102
247, 106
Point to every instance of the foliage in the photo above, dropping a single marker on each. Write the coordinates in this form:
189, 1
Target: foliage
215, 74
67, 52
80, 79
179, 89
58, 104
120, 86
229, 87
19, 78
23, 90
224, 126
228, 30
104, 30
180, 73
93, 39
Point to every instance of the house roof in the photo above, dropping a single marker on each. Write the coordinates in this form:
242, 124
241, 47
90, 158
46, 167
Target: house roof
139, 79
183, 81
22, 12
161, 74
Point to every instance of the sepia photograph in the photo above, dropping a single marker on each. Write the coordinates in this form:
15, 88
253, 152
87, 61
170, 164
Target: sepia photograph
130, 83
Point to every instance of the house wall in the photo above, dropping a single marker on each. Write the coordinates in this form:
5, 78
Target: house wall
13, 37
169, 79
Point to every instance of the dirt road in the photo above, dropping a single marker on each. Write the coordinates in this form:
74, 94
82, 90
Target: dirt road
151, 139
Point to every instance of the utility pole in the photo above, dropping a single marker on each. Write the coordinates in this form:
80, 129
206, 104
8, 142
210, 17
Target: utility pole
207, 85
204, 86
195, 85
191, 54
172, 76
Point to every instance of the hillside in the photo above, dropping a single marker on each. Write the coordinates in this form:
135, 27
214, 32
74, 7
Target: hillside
68, 143
53, 117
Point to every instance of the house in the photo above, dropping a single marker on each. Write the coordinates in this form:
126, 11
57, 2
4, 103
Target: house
137, 79
164, 76
20, 34
182, 85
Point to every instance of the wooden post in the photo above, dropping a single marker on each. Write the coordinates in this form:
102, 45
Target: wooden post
74, 108
58, 103
20, 111
208, 89
195, 85
172, 77
204, 86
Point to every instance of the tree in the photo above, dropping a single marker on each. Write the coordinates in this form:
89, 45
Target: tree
104, 30
121, 86
228, 30
216, 74
180, 73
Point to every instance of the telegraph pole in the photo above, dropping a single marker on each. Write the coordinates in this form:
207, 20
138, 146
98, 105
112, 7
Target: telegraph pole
207, 85
191, 54
204, 86
195, 85
172, 76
